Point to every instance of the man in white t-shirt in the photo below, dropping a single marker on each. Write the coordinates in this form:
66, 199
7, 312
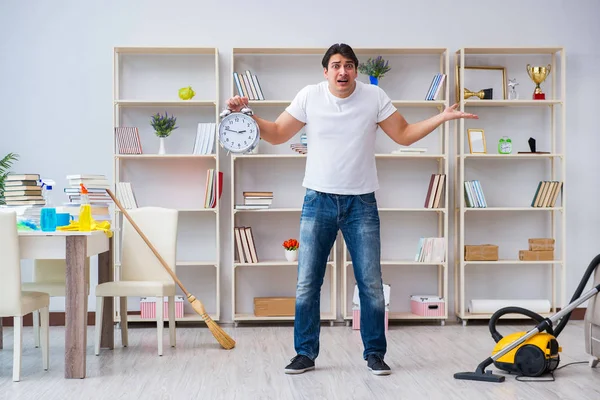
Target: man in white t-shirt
340, 117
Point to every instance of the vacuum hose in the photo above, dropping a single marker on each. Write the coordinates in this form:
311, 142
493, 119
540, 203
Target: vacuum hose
563, 322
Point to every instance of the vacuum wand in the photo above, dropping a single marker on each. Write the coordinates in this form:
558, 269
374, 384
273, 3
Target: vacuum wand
481, 375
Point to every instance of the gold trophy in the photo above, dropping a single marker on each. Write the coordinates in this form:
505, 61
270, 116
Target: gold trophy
538, 75
485, 94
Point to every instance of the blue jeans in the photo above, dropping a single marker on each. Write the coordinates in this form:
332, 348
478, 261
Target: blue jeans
322, 216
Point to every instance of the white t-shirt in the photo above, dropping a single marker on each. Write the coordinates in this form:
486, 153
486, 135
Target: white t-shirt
340, 135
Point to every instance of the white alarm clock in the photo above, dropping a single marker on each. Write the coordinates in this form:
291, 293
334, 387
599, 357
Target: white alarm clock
238, 131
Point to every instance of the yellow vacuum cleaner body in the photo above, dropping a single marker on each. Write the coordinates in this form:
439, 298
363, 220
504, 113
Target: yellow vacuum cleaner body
534, 357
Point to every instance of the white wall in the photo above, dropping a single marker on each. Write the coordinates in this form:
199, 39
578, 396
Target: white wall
56, 73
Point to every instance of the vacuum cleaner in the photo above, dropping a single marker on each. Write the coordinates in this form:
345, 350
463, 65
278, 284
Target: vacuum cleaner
536, 352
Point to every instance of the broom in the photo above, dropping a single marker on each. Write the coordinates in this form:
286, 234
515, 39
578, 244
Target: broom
222, 337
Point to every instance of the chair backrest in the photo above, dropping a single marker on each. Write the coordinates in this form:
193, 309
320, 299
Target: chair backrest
138, 262
10, 265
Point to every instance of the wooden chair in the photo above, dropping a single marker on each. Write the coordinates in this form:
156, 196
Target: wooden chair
14, 302
142, 275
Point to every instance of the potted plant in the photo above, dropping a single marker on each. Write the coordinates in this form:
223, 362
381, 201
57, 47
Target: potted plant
163, 126
5, 165
291, 249
375, 68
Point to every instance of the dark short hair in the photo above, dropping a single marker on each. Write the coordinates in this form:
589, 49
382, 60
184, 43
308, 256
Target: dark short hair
339, 48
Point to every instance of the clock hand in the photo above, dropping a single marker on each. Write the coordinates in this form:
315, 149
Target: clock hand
244, 131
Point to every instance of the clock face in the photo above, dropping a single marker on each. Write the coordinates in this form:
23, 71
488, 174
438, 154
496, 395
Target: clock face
505, 146
238, 133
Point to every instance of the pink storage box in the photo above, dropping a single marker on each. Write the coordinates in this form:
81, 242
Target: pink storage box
148, 307
427, 306
356, 318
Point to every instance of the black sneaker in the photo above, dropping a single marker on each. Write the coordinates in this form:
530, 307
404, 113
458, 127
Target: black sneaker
299, 365
377, 365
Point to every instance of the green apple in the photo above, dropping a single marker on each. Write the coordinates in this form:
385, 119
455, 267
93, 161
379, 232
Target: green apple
186, 93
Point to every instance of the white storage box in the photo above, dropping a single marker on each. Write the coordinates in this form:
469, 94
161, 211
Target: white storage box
148, 307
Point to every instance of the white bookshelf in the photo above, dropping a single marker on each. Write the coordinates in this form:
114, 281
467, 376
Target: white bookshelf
404, 180
146, 81
509, 182
282, 72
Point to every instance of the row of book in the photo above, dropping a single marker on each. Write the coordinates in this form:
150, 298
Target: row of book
256, 201
431, 249
474, 197
205, 138
433, 198
128, 140
436, 85
546, 194
245, 248
214, 183
125, 195
247, 85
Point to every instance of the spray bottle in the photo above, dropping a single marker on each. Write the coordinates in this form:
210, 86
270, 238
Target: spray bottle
48, 212
85, 211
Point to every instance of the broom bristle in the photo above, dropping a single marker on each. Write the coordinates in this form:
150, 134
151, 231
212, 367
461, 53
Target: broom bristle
222, 337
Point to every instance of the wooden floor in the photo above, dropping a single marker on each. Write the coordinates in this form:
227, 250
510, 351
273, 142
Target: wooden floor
423, 359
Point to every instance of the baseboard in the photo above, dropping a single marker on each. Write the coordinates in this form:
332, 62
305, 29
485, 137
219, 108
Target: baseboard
57, 318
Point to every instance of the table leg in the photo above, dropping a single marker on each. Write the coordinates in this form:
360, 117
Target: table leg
76, 307
105, 274
1, 345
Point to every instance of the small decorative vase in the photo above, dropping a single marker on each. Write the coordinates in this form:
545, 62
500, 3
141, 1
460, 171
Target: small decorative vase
374, 80
291, 255
161, 147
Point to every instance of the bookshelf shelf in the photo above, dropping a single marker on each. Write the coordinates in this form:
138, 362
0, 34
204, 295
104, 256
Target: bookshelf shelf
513, 262
465, 209
512, 103
274, 263
177, 179
188, 210
164, 156
510, 156
166, 103
513, 226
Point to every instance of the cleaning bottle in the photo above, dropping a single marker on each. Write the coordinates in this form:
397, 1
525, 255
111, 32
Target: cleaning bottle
48, 212
85, 211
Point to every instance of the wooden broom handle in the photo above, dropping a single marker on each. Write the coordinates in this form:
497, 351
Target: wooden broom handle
137, 228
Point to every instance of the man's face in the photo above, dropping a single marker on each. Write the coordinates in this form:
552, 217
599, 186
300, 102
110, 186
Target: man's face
341, 75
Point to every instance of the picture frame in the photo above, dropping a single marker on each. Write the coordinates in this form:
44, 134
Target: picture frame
477, 143
482, 77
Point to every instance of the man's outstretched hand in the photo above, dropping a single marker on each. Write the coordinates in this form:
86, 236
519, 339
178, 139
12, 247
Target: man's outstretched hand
451, 113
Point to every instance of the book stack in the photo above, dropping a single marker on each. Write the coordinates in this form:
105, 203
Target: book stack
435, 191
96, 186
431, 249
301, 147
244, 245
23, 190
474, 195
410, 150
256, 201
